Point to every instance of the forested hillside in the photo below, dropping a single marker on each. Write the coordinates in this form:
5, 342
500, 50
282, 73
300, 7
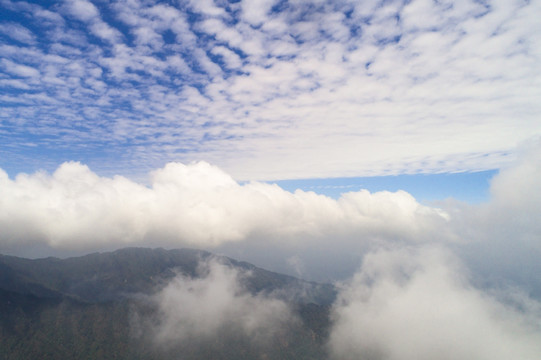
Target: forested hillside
111, 306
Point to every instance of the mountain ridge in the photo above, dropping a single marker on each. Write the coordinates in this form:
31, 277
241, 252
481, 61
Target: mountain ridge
135, 269
94, 306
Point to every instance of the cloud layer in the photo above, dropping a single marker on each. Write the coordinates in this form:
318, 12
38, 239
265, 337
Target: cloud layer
268, 89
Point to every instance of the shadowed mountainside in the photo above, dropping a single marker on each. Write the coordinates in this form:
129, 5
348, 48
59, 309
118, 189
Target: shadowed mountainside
94, 306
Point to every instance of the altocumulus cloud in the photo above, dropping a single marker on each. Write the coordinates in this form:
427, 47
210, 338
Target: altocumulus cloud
261, 88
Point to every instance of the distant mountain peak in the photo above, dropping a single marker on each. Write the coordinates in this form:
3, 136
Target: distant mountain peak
105, 276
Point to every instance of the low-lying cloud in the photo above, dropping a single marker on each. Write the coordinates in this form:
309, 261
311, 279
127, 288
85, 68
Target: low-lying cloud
215, 314
419, 304
216, 304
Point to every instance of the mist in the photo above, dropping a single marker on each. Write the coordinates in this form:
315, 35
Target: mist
419, 304
216, 314
214, 303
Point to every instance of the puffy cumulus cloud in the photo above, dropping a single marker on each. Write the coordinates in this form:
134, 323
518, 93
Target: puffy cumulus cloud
418, 304
69, 208
214, 304
197, 205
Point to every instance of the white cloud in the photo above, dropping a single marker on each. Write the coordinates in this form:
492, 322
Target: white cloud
231, 59
18, 84
17, 32
199, 205
319, 92
365, 88
106, 32
19, 69
82, 10
196, 205
207, 7
418, 304
255, 12
48, 16
453, 96
501, 238
216, 303
87, 12
513, 187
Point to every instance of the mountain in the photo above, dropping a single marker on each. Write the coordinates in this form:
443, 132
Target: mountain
103, 306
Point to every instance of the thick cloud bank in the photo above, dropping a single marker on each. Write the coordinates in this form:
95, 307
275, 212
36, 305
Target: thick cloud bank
197, 205
418, 304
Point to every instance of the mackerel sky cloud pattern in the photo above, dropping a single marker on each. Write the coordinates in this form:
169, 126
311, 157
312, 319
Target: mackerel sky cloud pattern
268, 89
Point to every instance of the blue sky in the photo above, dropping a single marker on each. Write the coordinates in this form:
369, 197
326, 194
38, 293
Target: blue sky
269, 90
426, 188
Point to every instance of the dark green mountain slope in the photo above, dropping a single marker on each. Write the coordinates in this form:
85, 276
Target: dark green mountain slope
97, 307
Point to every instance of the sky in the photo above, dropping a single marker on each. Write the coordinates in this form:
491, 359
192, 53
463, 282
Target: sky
391, 147
268, 90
